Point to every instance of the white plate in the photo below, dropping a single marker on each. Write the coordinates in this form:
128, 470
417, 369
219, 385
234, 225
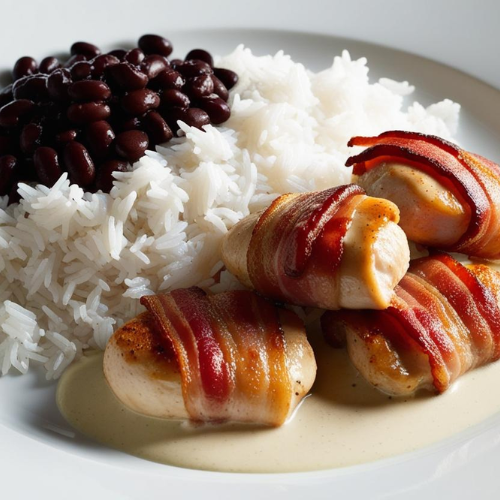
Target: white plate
41, 455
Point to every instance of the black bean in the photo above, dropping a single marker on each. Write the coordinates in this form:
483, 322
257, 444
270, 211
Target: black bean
66, 136
30, 138
89, 90
100, 137
81, 70
16, 112
104, 177
88, 112
32, 87
100, 63
227, 77
49, 64
127, 76
86, 49
131, 144
199, 86
175, 63
24, 66
138, 102
155, 44
123, 124
220, 89
153, 65
58, 83
173, 98
6, 95
134, 56
8, 165
79, 164
74, 59
216, 108
201, 55
169, 79
119, 53
157, 128
194, 117
47, 165
194, 67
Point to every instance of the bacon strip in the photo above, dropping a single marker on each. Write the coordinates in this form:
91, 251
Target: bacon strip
298, 241
442, 309
231, 353
474, 180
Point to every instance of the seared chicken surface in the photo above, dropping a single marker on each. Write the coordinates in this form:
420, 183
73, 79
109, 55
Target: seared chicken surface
144, 371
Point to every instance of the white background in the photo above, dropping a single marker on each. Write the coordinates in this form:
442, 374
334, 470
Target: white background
462, 33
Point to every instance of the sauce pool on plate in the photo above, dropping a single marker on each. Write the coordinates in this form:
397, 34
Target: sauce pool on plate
343, 422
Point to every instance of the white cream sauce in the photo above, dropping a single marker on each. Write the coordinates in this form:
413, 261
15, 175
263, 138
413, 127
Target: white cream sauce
344, 421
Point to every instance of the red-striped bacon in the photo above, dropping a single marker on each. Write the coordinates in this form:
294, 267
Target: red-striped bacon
231, 353
443, 310
297, 245
474, 180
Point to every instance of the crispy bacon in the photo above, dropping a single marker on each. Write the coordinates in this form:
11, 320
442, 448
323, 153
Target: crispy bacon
299, 241
231, 353
472, 179
447, 312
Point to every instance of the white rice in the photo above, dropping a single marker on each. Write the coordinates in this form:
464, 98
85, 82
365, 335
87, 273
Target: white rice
74, 263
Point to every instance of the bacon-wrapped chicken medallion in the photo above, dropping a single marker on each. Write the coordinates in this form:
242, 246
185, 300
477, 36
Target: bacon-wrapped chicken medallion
448, 198
329, 249
443, 322
227, 357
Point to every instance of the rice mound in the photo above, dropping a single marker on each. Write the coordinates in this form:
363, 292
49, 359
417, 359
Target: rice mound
75, 263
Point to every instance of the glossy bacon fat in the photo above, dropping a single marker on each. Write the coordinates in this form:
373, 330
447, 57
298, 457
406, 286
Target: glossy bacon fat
466, 187
443, 322
329, 249
235, 357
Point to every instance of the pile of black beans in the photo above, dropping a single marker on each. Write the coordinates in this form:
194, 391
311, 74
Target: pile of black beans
96, 113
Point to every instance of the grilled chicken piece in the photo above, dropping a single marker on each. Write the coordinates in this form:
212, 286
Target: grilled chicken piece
330, 249
443, 322
228, 357
449, 198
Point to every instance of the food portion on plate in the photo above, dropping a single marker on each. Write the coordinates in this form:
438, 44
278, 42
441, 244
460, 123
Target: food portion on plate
331, 249
130, 179
229, 357
95, 113
443, 322
448, 197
